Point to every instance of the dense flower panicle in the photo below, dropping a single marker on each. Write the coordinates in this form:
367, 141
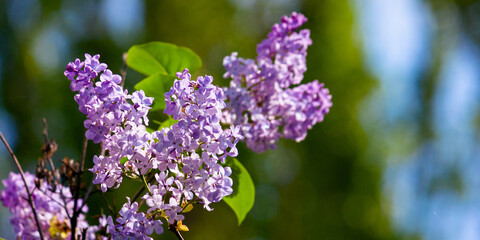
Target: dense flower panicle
114, 118
260, 98
282, 56
192, 148
312, 102
132, 224
50, 207
185, 157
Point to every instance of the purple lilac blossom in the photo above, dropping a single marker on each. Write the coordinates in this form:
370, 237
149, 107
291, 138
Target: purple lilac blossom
185, 157
192, 148
50, 206
260, 98
114, 118
132, 224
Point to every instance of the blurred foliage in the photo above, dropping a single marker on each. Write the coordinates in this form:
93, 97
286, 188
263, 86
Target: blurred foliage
322, 188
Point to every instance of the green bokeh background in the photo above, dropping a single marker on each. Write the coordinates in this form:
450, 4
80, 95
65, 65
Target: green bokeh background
326, 187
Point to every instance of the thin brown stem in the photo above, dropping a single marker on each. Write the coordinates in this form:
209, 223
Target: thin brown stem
141, 202
110, 207
124, 69
30, 199
76, 212
85, 198
255, 84
65, 204
45, 131
102, 150
52, 199
47, 141
137, 194
84, 154
90, 188
175, 231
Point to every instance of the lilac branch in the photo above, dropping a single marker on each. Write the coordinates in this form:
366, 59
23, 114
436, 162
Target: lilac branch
47, 142
176, 232
30, 200
89, 191
73, 220
123, 72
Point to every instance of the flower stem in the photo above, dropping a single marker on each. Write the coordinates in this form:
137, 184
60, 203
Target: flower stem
175, 231
146, 185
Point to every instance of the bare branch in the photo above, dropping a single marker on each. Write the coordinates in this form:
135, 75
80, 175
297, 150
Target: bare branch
89, 191
76, 212
124, 68
177, 233
30, 200
49, 143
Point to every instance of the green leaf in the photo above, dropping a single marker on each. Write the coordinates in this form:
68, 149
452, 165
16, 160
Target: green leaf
155, 86
161, 57
149, 130
168, 123
243, 196
158, 125
123, 160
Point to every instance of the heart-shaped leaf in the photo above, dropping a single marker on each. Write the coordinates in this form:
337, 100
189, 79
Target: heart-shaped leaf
161, 57
155, 86
243, 196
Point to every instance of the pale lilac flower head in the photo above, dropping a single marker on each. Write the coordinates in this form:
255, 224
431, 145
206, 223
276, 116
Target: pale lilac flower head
114, 118
132, 224
263, 99
196, 144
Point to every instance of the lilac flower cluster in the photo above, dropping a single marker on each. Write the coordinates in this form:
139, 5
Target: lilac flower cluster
192, 148
184, 158
260, 99
114, 118
132, 224
51, 207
